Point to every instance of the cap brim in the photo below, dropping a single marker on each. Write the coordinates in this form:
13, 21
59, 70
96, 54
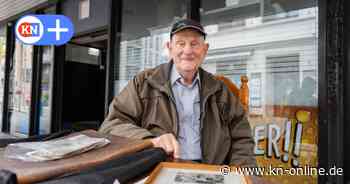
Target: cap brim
189, 27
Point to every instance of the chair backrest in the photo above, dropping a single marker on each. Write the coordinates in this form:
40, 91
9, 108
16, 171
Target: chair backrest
242, 93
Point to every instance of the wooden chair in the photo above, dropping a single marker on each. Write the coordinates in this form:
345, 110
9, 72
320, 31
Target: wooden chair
242, 93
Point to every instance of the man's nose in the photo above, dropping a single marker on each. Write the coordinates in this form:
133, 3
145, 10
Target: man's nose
188, 49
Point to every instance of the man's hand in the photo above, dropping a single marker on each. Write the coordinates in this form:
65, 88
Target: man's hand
169, 143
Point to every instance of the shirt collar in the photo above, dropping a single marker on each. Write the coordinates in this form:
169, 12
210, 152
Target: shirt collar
175, 76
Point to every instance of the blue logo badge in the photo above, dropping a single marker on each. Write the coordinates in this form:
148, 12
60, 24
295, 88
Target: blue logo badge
44, 29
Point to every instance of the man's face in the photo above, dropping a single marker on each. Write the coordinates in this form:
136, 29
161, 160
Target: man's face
188, 49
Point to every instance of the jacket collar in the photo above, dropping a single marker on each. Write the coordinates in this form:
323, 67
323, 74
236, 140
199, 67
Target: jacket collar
176, 77
160, 79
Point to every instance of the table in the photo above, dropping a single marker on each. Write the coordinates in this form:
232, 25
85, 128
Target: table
31, 172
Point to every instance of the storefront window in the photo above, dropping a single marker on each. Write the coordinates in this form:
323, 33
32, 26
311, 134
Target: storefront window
274, 44
46, 85
2, 67
46, 89
145, 29
20, 89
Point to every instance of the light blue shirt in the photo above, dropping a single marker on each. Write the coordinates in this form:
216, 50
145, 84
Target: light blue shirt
188, 109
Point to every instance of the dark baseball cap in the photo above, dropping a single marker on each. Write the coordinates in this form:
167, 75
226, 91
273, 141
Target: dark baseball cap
187, 24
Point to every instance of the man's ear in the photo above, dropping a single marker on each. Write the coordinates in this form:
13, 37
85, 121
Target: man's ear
168, 45
206, 47
168, 48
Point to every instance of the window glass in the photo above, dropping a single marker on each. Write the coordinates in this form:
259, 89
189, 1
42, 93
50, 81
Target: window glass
20, 88
46, 85
80, 54
2, 67
84, 9
145, 29
46, 89
274, 44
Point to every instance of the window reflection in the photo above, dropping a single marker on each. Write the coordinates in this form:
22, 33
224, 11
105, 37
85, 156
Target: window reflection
274, 44
46, 89
46, 84
20, 88
145, 30
2, 67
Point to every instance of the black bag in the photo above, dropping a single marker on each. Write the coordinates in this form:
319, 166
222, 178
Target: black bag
124, 169
7, 177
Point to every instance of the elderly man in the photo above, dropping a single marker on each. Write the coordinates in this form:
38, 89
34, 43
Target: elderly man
182, 108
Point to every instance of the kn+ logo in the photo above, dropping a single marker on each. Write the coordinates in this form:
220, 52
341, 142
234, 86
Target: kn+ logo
44, 29
29, 29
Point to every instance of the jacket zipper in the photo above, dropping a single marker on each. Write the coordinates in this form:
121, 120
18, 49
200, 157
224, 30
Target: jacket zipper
177, 116
168, 92
202, 115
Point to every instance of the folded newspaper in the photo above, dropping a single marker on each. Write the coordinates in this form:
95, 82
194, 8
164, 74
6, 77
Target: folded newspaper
53, 149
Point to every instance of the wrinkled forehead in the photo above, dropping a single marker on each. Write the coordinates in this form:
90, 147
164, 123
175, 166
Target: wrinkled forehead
188, 34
